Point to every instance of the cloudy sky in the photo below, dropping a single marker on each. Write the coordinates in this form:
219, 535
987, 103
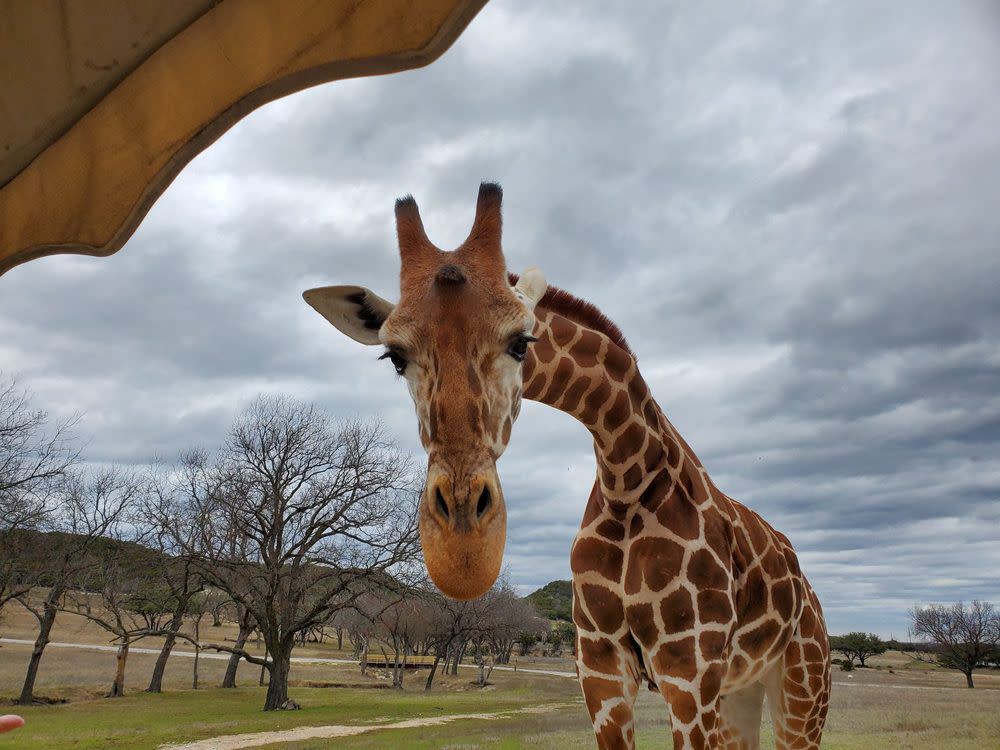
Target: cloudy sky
792, 210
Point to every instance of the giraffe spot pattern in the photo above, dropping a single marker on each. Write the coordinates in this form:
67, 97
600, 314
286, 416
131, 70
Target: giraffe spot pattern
574, 393
653, 561
611, 529
606, 610
596, 555
677, 659
677, 612
705, 590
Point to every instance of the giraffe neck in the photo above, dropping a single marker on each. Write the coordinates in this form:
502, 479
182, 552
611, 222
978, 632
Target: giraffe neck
583, 372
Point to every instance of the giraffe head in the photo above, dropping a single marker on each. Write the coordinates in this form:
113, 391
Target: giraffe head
457, 336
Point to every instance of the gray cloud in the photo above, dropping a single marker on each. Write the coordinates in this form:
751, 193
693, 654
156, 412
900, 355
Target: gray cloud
790, 210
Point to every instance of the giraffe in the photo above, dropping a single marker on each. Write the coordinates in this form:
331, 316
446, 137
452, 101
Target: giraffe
675, 584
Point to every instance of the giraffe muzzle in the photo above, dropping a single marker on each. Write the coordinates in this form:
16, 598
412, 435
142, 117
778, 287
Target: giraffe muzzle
463, 528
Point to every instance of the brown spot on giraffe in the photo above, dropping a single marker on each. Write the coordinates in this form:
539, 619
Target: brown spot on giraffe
654, 562
679, 515
682, 704
632, 477
677, 658
606, 611
705, 572
656, 492
712, 644
702, 592
599, 655
628, 444
597, 556
594, 401
611, 529
559, 381
618, 413
642, 624
584, 352
571, 397
677, 612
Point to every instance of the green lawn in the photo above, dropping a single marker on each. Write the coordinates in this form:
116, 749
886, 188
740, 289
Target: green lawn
143, 721
862, 718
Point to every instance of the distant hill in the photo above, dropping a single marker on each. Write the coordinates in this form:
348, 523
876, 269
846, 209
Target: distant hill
37, 550
554, 600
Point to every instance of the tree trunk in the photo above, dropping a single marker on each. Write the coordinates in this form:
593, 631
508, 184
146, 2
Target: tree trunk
229, 681
459, 655
398, 667
968, 679
118, 686
340, 639
364, 658
44, 628
277, 687
156, 681
197, 652
430, 677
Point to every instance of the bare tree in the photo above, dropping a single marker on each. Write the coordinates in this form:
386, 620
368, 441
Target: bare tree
197, 609
92, 506
359, 620
400, 625
246, 625
488, 627
964, 637
451, 624
177, 572
319, 515
122, 593
218, 604
184, 512
34, 459
508, 616
129, 607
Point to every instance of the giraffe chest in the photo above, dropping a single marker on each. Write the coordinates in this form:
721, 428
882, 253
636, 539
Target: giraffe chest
633, 572
677, 580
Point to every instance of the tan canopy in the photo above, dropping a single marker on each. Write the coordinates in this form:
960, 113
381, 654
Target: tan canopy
103, 102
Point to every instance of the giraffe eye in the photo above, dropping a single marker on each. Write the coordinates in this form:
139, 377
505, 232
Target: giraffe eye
518, 348
397, 359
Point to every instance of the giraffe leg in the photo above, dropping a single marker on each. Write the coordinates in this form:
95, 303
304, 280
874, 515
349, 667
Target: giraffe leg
609, 677
739, 718
695, 723
798, 688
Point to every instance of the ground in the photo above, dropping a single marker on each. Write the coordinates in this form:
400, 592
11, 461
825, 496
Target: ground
899, 704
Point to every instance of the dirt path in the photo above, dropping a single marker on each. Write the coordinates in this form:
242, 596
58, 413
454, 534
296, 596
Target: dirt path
259, 739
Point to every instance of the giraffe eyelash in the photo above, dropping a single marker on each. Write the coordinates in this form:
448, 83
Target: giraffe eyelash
518, 347
396, 357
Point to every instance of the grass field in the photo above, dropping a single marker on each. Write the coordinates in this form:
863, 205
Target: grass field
899, 705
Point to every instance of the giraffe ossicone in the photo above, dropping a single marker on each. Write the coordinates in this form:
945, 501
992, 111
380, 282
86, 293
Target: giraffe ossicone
675, 584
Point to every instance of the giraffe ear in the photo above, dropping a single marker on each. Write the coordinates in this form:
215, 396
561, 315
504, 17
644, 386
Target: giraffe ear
353, 310
531, 287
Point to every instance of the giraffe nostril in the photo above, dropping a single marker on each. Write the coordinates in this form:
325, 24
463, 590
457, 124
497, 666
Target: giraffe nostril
442, 505
485, 499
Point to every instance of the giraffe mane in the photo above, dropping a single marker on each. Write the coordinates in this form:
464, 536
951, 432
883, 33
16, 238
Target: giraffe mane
580, 311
